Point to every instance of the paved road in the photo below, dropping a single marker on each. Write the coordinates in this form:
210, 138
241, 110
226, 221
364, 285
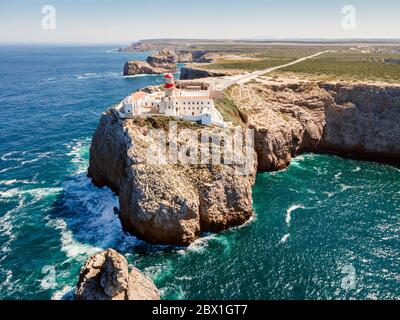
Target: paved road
223, 83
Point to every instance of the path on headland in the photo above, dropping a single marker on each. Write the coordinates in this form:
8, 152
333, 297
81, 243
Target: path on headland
224, 82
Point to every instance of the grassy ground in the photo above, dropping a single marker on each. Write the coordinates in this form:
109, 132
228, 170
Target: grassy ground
263, 58
229, 111
347, 65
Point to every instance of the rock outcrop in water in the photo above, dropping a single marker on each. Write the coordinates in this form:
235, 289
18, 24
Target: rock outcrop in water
105, 276
166, 61
350, 120
168, 203
142, 67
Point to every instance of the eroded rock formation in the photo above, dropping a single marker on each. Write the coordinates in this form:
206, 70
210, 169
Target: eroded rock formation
166, 61
135, 67
349, 120
168, 203
105, 276
191, 73
174, 204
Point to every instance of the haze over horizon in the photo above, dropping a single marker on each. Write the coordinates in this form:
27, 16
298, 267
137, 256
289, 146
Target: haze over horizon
123, 21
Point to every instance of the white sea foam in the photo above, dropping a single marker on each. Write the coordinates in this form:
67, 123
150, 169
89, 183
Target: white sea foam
93, 75
284, 238
10, 193
25, 157
356, 169
344, 187
66, 293
329, 194
78, 151
92, 224
10, 156
15, 181
6, 284
337, 176
199, 245
290, 210
36, 193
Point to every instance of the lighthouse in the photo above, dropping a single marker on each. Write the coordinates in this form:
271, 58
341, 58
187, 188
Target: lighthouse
169, 85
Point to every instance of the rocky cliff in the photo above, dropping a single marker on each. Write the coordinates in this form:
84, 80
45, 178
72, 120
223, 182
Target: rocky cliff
350, 120
174, 204
169, 203
191, 73
135, 67
105, 276
166, 61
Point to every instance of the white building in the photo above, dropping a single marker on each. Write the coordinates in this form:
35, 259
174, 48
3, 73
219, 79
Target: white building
194, 104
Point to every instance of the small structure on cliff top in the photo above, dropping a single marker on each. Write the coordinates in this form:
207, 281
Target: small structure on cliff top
191, 102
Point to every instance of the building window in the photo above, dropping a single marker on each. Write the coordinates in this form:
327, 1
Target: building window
192, 113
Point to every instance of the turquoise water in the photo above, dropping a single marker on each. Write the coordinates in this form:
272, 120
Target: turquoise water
314, 222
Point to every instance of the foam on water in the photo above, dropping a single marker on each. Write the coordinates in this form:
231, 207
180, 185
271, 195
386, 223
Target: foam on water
284, 238
23, 158
92, 223
290, 210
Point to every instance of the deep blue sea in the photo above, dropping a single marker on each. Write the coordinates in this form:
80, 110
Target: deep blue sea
325, 228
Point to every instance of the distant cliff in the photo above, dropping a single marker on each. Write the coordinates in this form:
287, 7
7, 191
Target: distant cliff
165, 61
138, 47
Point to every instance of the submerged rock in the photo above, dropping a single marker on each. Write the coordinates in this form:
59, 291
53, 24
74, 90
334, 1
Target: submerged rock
105, 276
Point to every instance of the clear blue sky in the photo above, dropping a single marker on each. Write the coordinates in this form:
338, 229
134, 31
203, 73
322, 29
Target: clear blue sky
122, 21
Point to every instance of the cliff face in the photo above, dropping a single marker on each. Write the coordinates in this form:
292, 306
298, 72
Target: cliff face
190, 73
142, 67
105, 276
349, 120
364, 121
167, 203
166, 61
174, 204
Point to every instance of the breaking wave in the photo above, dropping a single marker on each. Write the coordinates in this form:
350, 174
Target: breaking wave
289, 212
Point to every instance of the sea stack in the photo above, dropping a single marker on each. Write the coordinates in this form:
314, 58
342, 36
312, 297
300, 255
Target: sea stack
105, 276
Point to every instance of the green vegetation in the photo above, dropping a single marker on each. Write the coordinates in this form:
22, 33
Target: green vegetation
348, 65
229, 111
246, 65
162, 122
264, 57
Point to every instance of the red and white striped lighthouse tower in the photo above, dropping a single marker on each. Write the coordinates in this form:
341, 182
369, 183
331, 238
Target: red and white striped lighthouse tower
169, 81
169, 84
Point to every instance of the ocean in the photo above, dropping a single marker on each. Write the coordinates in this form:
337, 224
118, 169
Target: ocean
325, 228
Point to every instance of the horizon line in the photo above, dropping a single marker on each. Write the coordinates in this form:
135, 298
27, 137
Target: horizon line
244, 39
